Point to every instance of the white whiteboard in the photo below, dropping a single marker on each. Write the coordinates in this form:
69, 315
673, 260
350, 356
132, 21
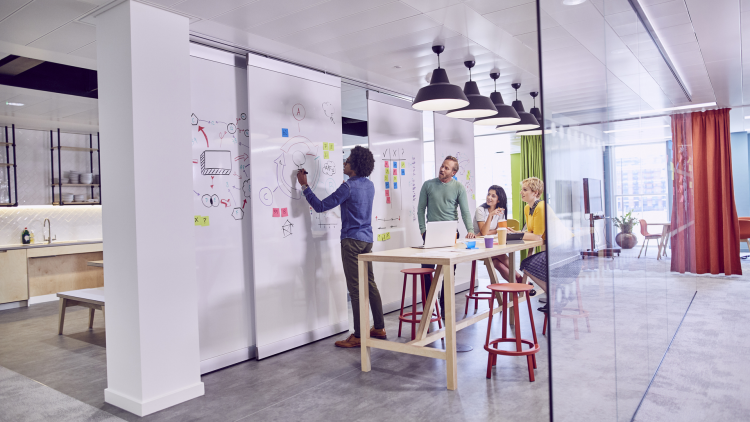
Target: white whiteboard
456, 137
220, 156
395, 139
295, 122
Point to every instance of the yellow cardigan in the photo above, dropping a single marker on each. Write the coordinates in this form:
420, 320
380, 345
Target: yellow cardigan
535, 223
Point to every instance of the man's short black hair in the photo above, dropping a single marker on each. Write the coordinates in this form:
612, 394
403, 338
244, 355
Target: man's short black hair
361, 161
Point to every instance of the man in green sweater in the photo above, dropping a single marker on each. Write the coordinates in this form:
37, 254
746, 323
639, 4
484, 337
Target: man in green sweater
441, 197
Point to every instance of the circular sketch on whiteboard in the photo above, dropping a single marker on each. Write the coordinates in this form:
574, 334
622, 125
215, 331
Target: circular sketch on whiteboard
330, 186
210, 200
298, 112
243, 116
266, 197
193, 119
231, 128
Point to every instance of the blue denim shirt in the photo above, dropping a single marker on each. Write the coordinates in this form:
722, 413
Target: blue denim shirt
355, 197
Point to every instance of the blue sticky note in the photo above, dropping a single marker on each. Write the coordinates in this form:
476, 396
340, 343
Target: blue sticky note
403, 172
386, 185
395, 164
284, 133
455, 178
395, 185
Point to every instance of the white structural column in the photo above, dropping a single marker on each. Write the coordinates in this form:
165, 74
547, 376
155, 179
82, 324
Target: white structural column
153, 359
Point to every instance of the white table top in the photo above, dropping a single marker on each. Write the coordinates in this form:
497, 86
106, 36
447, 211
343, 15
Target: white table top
446, 256
95, 295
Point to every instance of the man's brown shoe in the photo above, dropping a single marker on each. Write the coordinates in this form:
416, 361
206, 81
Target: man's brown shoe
378, 333
350, 342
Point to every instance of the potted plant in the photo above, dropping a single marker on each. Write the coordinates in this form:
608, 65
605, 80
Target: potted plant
626, 239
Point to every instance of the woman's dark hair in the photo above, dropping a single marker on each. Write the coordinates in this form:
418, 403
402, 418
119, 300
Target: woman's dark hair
502, 200
361, 161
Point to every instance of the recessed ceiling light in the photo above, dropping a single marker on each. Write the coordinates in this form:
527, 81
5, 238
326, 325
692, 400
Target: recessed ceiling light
572, 2
747, 117
636, 128
14, 104
635, 113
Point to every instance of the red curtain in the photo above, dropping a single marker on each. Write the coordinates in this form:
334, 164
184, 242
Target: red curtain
683, 220
717, 231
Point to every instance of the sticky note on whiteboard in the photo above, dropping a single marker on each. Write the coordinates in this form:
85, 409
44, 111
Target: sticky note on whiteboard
276, 212
216, 162
325, 146
330, 146
204, 221
386, 163
284, 212
325, 155
387, 199
403, 172
198, 220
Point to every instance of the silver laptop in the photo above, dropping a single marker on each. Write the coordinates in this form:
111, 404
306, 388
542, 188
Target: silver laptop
440, 234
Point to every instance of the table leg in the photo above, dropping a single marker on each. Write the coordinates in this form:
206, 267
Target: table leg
512, 276
665, 238
364, 316
450, 329
91, 318
63, 305
435, 288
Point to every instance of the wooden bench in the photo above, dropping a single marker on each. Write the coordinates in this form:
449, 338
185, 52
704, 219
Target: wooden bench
88, 298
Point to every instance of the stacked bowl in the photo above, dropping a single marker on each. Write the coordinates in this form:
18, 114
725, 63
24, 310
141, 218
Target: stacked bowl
86, 178
79, 198
67, 197
73, 176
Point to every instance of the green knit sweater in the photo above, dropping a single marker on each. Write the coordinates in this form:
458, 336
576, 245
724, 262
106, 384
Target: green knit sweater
441, 200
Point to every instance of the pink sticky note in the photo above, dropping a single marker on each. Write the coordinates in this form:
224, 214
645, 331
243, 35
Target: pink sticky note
387, 192
284, 212
388, 200
276, 212
386, 163
395, 172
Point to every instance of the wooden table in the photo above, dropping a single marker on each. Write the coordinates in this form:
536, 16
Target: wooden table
88, 298
665, 229
95, 263
444, 261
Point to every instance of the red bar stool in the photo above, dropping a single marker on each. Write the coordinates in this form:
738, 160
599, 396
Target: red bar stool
474, 295
415, 316
514, 289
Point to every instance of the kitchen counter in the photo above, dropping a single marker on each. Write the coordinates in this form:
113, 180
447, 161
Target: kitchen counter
45, 245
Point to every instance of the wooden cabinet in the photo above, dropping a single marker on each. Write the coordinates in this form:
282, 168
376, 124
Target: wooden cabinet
13, 276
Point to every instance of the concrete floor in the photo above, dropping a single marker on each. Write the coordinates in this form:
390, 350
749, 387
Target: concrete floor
635, 306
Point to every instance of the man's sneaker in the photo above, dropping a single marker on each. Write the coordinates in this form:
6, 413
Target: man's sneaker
350, 342
378, 333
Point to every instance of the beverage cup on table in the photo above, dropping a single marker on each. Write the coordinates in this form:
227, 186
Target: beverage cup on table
488, 241
502, 235
502, 223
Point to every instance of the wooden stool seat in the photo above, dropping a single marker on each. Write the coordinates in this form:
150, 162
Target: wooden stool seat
491, 346
414, 317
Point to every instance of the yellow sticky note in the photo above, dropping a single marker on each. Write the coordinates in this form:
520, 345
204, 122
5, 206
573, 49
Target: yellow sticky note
386, 177
330, 146
380, 237
204, 221
395, 178
473, 196
325, 155
388, 236
468, 175
198, 220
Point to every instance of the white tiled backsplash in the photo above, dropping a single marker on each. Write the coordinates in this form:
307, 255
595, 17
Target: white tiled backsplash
68, 222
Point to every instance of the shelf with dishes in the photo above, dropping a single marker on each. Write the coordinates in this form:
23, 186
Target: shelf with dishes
74, 179
9, 167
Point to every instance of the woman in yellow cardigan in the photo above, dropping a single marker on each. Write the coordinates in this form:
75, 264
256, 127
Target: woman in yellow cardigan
534, 211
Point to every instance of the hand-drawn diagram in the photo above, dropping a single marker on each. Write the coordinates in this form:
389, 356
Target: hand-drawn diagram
246, 188
286, 229
325, 220
216, 162
231, 128
210, 200
394, 169
266, 197
329, 110
193, 119
298, 112
305, 156
237, 213
464, 174
330, 186
329, 168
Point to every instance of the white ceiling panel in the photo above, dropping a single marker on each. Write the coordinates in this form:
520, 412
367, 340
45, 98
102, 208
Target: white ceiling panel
678, 34
39, 18
9, 6
88, 51
208, 10
67, 38
430, 5
351, 24
670, 20
488, 6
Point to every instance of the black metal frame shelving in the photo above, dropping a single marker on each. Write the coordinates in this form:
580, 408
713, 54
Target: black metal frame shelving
7, 164
59, 186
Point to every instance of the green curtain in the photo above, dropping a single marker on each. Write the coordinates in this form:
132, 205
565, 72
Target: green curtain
532, 155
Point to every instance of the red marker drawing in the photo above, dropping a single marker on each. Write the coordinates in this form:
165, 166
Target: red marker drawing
244, 202
200, 129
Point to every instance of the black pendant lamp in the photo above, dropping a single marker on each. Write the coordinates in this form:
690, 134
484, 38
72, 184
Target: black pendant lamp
537, 115
506, 114
528, 121
479, 105
440, 94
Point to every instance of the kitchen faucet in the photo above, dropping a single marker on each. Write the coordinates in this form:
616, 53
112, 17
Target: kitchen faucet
48, 239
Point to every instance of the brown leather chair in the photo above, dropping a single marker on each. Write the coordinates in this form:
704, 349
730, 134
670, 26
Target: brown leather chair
647, 236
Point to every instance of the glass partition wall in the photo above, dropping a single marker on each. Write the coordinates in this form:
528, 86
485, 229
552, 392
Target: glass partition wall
611, 317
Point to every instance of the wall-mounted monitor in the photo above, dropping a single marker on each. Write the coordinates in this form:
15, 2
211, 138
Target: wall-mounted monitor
592, 196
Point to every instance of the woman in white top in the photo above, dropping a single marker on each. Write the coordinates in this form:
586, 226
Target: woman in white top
486, 219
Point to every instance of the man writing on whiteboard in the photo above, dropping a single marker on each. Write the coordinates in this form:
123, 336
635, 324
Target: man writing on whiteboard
355, 196
441, 197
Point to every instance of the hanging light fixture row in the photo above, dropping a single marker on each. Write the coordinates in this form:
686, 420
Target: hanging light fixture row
441, 95
537, 115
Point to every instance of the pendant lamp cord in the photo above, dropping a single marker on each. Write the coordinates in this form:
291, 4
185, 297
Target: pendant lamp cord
469, 74
438, 54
